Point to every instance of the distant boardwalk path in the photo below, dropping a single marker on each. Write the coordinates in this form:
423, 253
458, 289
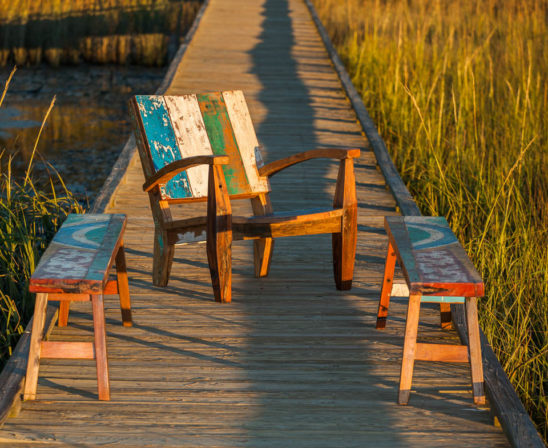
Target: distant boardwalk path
292, 362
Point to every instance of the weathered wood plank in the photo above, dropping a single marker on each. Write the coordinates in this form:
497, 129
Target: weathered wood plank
164, 150
192, 138
80, 255
223, 141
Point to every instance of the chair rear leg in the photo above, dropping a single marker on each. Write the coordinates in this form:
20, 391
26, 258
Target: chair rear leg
262, 248
163, 258
344, 243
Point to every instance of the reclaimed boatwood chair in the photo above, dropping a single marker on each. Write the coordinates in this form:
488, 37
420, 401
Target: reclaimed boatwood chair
204, 148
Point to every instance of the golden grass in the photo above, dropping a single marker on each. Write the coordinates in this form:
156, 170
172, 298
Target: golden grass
97, 31
459, 91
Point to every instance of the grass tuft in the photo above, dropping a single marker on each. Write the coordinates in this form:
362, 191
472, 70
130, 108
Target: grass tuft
29, 218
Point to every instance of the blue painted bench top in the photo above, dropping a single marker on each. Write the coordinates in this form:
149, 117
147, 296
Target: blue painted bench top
433, 261
80, 255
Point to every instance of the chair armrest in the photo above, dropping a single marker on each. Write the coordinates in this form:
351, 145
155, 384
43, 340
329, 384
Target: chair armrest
331, 153
174, 168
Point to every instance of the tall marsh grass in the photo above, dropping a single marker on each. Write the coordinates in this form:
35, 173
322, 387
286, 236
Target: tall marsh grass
459, 91
143, 32
28, 220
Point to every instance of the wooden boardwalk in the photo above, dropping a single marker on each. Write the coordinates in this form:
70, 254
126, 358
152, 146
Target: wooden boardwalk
292, 362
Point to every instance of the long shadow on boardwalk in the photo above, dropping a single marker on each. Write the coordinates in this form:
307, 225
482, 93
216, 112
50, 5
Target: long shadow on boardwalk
315, 370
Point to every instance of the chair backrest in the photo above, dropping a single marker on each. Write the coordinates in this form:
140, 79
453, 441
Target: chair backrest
170, 128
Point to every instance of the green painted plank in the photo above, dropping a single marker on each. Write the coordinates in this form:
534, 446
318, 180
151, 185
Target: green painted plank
223, 141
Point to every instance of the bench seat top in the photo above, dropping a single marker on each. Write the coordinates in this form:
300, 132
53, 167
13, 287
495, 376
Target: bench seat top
79, 257
433, 261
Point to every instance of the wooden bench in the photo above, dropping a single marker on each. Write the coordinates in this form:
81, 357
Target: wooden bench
75, 267
436, 269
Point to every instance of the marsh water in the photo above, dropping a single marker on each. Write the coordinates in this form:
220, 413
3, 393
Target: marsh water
88, 125
86, 129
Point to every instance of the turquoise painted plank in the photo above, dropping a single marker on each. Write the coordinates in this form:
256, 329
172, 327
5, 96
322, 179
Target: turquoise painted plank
442, 299
162, 143
99, 265
396, 226
80, 253
431, 233
82, 231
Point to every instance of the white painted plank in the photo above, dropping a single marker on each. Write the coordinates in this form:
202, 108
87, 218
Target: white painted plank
191, 136
246, 138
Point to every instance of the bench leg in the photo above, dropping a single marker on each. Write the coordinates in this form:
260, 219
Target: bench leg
409, 348
36, 336
445, 316
64, 308
474, 347
123, 286
100, 345
387, 283
163, 258
263, 247
344, 242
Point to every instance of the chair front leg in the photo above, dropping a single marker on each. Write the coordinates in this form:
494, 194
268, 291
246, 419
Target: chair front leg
263, 247
344, 242
219, 235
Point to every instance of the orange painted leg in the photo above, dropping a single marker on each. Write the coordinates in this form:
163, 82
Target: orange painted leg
64, 308
445, 316
387, 283
100, 344
474, 347
409, 348
123, 287
219, 235
263, 247
36, 336
344, 243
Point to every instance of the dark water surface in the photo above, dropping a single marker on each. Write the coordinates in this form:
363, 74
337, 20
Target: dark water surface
87, 127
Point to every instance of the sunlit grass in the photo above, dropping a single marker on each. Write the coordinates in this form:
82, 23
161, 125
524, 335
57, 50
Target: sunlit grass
29, 218
98, 31
459, 91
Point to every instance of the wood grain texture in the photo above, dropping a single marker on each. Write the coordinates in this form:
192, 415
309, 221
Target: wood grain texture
67, 350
